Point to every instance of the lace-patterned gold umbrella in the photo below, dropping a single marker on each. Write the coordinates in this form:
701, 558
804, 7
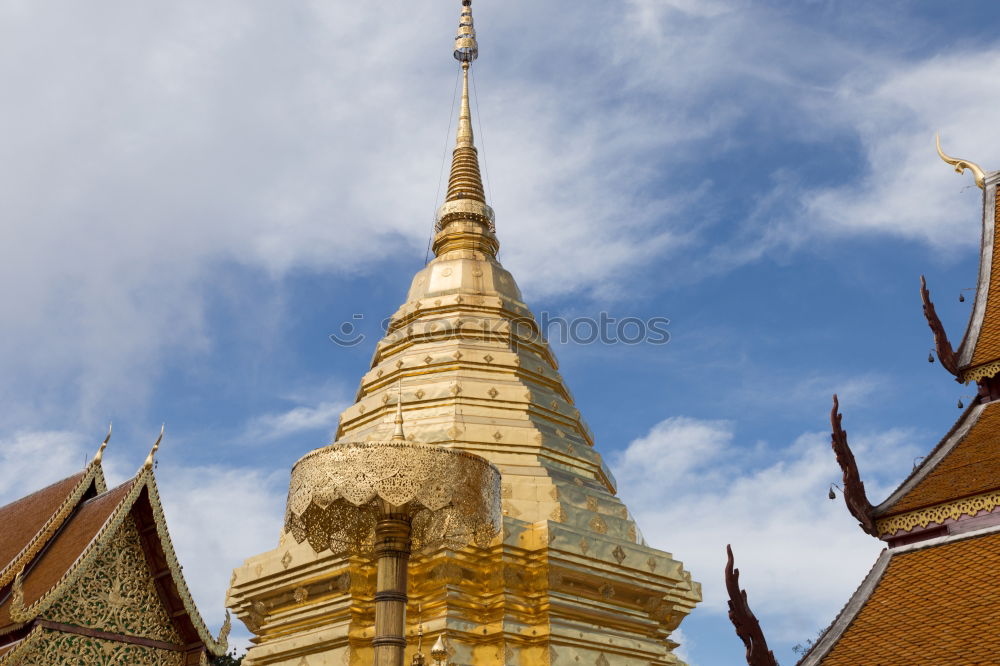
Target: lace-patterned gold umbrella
387, 499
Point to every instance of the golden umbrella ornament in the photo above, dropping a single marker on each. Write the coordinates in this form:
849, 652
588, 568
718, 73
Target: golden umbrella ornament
388, 498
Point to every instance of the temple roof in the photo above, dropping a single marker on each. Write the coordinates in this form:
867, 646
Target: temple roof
965, 463
979, 353
70, 522
929, 603
32, 520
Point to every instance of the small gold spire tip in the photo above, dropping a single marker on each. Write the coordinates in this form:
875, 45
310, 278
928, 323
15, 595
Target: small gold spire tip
100, 452
398, 435
962, 165
440, 651
148, 465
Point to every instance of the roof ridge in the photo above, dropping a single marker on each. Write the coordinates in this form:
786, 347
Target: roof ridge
854, 604
217, 645
955, 435
73, 572
93, 473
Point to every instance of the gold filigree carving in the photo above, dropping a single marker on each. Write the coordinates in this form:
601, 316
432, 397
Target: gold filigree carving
117, 593
17, 611
969, 506
52, 648
336, 494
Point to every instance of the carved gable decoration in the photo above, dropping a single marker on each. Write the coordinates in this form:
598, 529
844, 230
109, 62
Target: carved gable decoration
117, 593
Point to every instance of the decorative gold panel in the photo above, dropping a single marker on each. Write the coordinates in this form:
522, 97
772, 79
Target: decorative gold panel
969, 506
52, 648
117, 593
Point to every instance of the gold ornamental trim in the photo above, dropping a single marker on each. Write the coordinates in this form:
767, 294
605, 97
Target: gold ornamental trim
983, 371
23, 648
969, 506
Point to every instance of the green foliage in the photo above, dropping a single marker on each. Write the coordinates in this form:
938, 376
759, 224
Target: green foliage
228, 659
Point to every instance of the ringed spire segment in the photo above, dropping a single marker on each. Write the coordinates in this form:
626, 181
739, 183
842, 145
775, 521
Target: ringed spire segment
466, 46
465, 221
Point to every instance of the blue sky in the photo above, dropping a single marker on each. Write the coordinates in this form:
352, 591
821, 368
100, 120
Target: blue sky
196, 196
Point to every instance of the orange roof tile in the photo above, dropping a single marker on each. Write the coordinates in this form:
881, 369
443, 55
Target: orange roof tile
970, 467
21, 520
66, 547
931, 605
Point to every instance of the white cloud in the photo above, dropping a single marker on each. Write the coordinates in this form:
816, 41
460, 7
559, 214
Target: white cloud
905, 189
154, 149
217, 518
693, 490
29, 461
324, 416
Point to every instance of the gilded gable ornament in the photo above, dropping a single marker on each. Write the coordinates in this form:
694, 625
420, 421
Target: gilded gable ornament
117, 593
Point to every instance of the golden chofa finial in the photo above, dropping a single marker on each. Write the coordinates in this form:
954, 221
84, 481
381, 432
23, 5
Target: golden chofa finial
962, 165
148, 465
100, 452
466, 46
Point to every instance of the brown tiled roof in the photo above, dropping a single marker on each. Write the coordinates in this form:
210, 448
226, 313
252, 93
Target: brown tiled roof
20, 521
932, 605
64, 550
988, 343
971, 467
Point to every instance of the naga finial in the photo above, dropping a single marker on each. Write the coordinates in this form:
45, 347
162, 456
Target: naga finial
947, 356
854, 489
148, 465
18, 612
100, 452
962, 165
227, 626
743, 619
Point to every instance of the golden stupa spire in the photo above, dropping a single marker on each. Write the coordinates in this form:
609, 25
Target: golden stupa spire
465, 221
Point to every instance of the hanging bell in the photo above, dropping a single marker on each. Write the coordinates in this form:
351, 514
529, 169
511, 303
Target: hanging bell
960, 404
930, 357
832, 495
961, 298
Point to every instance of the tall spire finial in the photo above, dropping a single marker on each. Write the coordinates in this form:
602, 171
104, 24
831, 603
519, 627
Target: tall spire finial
465, 222
397, 435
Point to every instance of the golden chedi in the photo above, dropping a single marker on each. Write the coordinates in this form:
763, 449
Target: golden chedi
569, 579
